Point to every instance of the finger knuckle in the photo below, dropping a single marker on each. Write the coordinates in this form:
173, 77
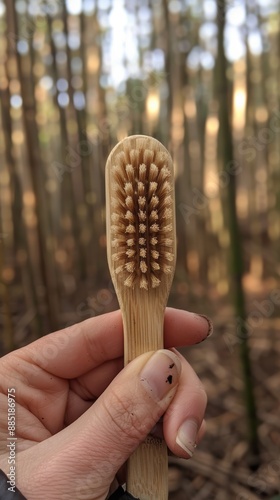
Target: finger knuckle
131, 421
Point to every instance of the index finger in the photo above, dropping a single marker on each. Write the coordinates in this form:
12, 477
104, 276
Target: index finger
73, 351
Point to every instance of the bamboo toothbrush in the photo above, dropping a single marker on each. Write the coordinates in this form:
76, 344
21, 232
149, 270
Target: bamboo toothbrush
141, 249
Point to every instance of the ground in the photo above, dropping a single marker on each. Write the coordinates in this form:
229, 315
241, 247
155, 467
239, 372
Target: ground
219, 468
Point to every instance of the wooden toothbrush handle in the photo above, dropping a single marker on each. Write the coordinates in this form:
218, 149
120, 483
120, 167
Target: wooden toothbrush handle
147, 471
147, 468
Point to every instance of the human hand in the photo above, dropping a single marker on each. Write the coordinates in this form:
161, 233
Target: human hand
79, 415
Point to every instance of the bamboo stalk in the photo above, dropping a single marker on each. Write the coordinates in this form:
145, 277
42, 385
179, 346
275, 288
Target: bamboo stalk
34, 160
236, 270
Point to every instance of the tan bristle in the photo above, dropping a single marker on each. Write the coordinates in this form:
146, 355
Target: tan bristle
142, 218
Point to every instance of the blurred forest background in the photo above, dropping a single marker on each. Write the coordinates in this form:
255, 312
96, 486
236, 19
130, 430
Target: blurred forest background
203, 77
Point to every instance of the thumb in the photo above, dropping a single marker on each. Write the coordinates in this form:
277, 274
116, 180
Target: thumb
133, 403
88, 453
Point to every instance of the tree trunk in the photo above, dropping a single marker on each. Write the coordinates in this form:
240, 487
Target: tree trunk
226, 159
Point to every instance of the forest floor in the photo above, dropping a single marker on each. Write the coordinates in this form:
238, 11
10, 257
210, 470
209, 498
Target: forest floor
219, 469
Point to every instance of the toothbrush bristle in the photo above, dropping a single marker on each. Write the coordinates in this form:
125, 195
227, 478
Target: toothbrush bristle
142, 218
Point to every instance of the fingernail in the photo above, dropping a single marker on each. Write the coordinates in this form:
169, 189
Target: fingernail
161, 373
204, 318
186, 436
